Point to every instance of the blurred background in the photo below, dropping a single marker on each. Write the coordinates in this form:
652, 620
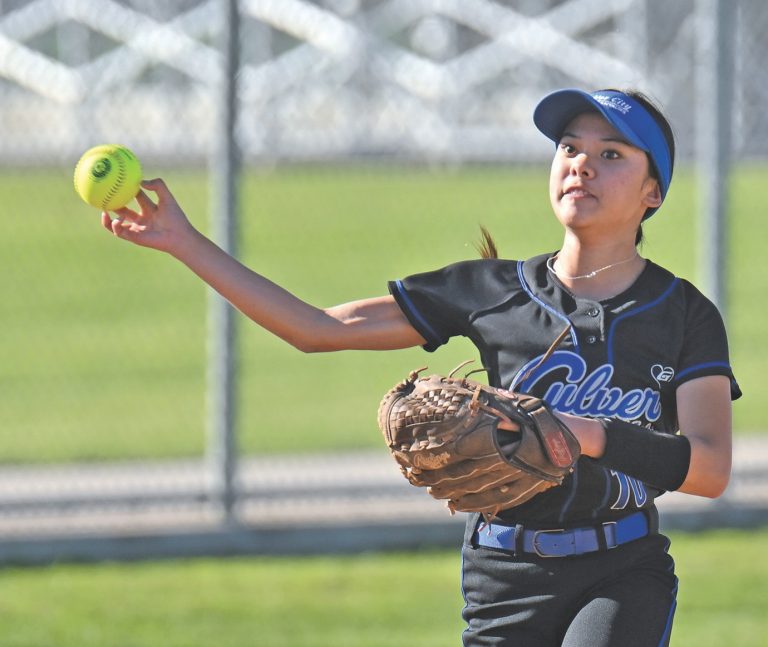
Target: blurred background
331, 145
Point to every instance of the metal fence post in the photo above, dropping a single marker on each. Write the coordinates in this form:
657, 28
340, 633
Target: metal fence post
222, 364
714, 89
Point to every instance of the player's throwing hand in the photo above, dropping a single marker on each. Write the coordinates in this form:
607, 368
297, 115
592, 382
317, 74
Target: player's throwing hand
162, 226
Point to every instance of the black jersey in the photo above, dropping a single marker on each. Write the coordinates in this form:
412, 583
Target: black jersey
624, 358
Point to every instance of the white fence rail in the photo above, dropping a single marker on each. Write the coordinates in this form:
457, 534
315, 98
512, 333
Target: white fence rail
353, 502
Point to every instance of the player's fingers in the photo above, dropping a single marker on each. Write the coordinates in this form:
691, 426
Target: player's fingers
128, 230
113, 224
116, 226
106, 221
158, 186
125, 213
144, 201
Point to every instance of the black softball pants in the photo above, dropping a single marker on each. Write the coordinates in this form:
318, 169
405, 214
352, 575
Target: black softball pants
623, 597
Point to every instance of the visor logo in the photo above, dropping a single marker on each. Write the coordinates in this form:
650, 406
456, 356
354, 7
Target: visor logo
612, 102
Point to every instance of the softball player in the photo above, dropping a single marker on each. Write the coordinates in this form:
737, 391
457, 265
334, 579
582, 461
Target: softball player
643, 379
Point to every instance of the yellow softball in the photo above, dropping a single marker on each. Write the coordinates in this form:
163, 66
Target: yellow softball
108, 176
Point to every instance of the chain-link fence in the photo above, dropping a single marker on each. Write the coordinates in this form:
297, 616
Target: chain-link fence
340, 78
103, 351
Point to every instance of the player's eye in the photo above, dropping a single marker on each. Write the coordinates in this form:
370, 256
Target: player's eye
611, 154
568, 149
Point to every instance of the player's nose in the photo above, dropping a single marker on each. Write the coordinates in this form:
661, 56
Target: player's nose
581, 166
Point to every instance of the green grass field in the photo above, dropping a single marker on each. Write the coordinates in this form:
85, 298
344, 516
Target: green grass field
358, 601
103, 346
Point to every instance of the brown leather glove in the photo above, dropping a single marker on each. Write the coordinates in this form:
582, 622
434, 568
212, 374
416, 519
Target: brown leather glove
444, 433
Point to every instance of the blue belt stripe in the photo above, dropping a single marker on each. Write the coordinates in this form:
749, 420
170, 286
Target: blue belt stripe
563, 543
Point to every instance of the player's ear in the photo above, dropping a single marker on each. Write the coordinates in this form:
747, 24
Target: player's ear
652, 194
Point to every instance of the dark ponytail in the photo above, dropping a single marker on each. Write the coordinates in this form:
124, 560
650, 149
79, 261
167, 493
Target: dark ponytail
486, 246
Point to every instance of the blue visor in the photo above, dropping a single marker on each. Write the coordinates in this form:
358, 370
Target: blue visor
625, 114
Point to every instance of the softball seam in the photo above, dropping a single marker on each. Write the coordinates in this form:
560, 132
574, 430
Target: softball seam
121, 173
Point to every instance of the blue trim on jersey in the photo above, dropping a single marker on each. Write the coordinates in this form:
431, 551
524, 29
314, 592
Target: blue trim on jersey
546, 307
604, 502
417, 315
700, 366
632, 313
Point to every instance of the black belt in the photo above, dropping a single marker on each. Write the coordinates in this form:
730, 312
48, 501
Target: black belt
561, 542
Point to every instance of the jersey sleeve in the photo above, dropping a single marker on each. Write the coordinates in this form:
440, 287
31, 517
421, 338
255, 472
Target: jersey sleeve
439, 304
705, 346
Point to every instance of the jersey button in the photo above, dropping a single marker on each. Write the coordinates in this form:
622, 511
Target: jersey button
593, 312
591, 339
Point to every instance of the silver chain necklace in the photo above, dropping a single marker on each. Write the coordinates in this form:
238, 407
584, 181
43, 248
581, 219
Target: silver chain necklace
551, 261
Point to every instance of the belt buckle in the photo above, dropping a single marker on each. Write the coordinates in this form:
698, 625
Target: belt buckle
603, 529
544, 532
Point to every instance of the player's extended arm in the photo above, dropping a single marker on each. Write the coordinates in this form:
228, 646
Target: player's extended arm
370, 324
704, 415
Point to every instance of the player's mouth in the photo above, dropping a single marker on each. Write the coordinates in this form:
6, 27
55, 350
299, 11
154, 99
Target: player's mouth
576, 193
